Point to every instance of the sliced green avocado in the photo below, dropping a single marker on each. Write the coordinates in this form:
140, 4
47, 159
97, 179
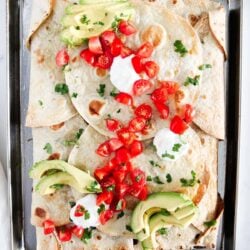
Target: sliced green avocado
185, 212
170, 201
99, 1
83, 180
159, 221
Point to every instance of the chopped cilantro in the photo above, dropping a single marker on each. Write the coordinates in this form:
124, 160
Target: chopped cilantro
86, 215
149, 178
153, 146
138, 178
210, 223
162, 231
84, 20
77, 27
154, 164
113, 92
69, 143
169, 178
72, 204
189, 182
128, 227
157, 180
101, 208
57, 186
94, 187
120, 215
86, 235
48, 148
62, 88
180, 48
205, 66
115, 23
79, 133
194, 81
176, 147
167, 155
101, 90
118, 111
40, 102
74, 95
99, 23
111, 188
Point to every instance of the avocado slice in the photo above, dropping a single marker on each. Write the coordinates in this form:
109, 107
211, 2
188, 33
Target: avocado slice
170, 201
99, 1
185, 212
81, 180
159, 221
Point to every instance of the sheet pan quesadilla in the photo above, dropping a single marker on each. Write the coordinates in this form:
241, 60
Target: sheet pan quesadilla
127, 106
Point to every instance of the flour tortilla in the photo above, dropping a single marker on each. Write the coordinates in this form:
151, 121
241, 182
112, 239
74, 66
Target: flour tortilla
149, 19
99, 241
44, 207
208, 19
46, 107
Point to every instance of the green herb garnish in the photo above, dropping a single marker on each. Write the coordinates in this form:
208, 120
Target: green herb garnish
84, 20
57, 186
101, 90
128, 227
194, 81
162, 231
169, 178
113, 92
111, 188
180, 48
72, 203
69, 143
189, 182
87, 235
157, 180
154, 164
118, 111
167, 155
99, 23
149, 178
48, 148
40, 102
74, 95
176, 147
86, 215
101, 208
120, 215
94, 187
205, 66
62, 88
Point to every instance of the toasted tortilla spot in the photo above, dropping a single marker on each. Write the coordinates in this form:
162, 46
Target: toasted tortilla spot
57, 126
95, 107
101, 72
179, 95
98, 237
40, 212
193, 19
55, 156
40, 56
153, 34
74, 59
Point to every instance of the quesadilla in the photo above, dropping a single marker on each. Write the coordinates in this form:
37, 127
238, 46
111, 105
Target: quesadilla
116, 89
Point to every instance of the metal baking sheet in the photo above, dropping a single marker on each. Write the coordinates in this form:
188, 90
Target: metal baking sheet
20, 137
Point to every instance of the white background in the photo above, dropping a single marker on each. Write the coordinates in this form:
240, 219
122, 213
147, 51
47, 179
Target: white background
243, 216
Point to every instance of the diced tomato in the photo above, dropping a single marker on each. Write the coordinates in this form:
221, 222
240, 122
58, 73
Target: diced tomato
106, 216
177, 125
127, 167
124, 98
112, 163
137, 64
188, 113
79, 211
135, 190
141, 87
101, 173
122, 156
64, 234
145, 50
144, 110
137, 124
138, 177
112, 124
135, 148
160, 95
172, 87
119, 176
116, 47
115, 144
88, 56
104, 61
104, 149
125, 51
143, 194
77, 231
95, 45
48, 227
104, 197
126, 136
163, 110
121, 205
108, 37
108, 182
151, 68
122, 189
62, 58
126, 28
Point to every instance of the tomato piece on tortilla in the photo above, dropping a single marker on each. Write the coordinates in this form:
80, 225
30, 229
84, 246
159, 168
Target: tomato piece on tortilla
124, 98
177, 125
104, 149
48, 227
114, 144
144, 110
64, 234
112, 124
188, 113
101, 173
145, 50
141, 87
137, 124
88, 57
137, 64
104, 197
126, 28
106, 216
163, 110
125, 52
116, 47
122, 156
95, 45
135, 148
62, 58
78, 231
104, 61
126, 136
108, 37
151, 68
160, 95
172, 87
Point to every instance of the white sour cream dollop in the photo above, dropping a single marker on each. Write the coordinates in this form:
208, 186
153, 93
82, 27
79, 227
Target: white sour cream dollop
88, 202
123, 75
169, 146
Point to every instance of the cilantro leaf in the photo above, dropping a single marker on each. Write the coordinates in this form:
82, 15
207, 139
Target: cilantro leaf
176, 147
154, 164
157, 180
169, 178
167, 155
101, 208
180, 48
120, 215
193, 81
62, 88
101, 90
113, 93
189, 182
86, 215
205, 66
57, 186
94, 187
87, 235
48, 148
